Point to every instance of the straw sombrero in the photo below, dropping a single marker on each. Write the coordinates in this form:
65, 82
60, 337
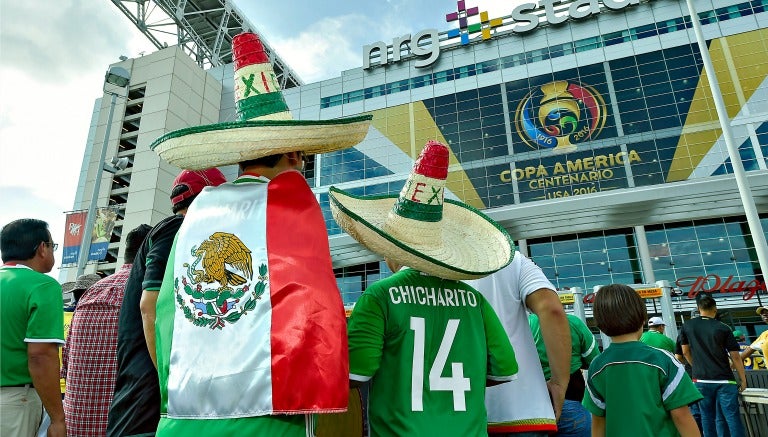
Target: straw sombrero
420, 229
83, 282
264, 127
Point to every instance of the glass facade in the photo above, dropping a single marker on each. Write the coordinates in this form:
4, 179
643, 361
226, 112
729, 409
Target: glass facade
553, 51
680, 252
577, 118
573, 132
721, 247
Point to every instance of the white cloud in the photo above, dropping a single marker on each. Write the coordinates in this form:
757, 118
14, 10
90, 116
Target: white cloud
49, 80
309, 51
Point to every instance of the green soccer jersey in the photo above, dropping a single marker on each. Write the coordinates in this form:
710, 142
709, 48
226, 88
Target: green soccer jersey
427, 345
32, 311
658, 340
635, 386
583, 345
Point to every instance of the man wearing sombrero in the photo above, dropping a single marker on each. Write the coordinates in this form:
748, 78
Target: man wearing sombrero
428, 343
250, 323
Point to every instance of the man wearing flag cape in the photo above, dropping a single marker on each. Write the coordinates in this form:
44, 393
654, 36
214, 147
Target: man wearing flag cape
250, 323
428, 343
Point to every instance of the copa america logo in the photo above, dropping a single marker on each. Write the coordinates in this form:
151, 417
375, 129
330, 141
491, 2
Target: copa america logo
559, 115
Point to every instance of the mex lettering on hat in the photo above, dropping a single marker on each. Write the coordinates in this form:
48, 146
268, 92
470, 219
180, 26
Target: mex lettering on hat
423, 189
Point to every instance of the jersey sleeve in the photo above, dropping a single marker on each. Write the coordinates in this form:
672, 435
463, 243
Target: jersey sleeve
157, 256
677, 388
683, 337
502, 365
46, 309
365, 333
587, 345
760, 341
764, 345
593, 399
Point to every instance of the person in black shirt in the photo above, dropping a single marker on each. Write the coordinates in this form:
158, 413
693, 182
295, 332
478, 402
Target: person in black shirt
707, 344
135, 408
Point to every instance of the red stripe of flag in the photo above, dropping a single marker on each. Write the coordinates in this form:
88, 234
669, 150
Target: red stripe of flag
310, 367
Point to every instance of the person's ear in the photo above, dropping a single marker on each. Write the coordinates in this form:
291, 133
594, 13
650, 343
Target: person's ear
295, 159
41, 246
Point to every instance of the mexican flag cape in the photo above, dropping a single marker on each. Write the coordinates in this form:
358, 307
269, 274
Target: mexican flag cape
250, 321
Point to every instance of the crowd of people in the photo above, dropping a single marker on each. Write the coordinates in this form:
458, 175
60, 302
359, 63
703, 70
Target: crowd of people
226, 319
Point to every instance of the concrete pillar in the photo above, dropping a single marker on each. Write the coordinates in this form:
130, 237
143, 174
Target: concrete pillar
667, 310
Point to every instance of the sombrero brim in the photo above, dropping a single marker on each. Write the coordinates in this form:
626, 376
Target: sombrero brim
215, 145
470, 245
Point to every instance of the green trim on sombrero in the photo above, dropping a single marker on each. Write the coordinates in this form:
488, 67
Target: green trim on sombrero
447, 202
260, 104
256, 123
422, 212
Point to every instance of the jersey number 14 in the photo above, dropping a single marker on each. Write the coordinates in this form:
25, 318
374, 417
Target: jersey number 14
455, 383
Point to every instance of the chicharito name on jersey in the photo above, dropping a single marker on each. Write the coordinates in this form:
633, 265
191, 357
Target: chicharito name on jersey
437, 297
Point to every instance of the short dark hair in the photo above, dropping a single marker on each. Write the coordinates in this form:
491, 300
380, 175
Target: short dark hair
20, 239
184, 204
619, 310
706, 302
265, 161
133, 242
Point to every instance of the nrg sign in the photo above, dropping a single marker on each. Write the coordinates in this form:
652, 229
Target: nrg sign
525, 17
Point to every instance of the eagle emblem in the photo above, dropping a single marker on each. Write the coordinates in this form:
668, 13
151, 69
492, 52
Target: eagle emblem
216, 288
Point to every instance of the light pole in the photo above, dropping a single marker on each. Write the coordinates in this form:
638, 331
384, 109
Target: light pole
748, 202
120, 77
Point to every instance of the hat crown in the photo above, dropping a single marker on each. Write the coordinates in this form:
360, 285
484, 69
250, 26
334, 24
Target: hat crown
84, 282
258, 95
421, 198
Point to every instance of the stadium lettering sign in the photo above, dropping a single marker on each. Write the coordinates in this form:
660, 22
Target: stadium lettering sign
691, 286
525, 17
700, 284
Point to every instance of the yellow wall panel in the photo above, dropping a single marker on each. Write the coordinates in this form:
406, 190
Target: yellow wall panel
740, 61
395, 124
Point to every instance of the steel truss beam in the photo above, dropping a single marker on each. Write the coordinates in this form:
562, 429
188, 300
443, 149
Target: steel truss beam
203, 28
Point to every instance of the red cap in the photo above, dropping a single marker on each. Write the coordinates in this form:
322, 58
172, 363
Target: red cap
195, 181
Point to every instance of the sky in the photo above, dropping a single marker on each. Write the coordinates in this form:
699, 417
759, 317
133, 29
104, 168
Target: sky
53, 56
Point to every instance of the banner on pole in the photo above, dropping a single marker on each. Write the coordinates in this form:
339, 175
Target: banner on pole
102, 232
73, 236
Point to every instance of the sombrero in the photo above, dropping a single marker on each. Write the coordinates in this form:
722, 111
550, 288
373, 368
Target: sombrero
422, 230
83, 282
264, 126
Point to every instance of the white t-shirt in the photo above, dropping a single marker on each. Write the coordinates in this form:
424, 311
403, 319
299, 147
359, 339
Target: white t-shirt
521, 405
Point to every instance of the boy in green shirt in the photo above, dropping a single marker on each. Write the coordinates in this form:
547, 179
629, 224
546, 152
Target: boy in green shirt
647, 389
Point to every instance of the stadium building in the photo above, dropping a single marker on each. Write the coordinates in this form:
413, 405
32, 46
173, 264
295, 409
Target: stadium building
587, 129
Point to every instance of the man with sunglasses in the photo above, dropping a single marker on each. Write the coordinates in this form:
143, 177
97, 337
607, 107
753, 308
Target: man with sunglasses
32, 322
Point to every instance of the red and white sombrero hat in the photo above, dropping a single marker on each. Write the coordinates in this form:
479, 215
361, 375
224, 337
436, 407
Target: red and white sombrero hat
420, 229
264, 127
